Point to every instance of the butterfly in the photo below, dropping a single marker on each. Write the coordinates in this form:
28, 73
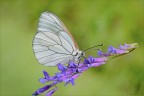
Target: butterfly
53, 43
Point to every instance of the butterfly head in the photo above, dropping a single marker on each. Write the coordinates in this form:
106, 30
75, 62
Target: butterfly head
77, 55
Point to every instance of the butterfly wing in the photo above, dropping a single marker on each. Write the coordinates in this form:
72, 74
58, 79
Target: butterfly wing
53, 43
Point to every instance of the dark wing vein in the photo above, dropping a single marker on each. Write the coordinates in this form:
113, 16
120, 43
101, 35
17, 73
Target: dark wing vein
61, 43
49, 37
68, 42
46, 56
55, 60
52, 31
44, 45
50, 49
46, 19
52, 24
59, 39
59, 53
43, 51
52, 28
43, 40
63, 60
55, 21
51, 57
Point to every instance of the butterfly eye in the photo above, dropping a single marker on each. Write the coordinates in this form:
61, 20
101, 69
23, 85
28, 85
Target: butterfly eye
76, 54
79, 57
82, 54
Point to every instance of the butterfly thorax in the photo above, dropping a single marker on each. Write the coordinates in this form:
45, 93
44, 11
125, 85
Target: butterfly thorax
77, 55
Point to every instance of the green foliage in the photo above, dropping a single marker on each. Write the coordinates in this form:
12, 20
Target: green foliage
91, 22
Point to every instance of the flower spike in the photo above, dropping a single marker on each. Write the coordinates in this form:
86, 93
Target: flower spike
69, 73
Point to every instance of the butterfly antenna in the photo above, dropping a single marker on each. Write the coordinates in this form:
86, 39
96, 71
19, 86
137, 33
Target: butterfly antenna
93, 47
84, 57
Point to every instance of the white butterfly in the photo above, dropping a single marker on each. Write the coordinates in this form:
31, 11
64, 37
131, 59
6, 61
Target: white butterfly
53, 43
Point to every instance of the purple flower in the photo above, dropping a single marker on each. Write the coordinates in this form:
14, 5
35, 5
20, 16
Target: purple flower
128, 46
69, 80
68, 74
43, 80
50, 93
62, 68
100, 53
41, 90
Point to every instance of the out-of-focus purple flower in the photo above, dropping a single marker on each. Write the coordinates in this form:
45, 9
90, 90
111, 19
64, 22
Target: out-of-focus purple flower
62, 68
43, 80
68, 74
128, 46
69, 80
112, 50
50, 93
123, 49
41, 90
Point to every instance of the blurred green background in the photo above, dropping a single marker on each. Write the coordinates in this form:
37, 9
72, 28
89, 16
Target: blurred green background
91, 22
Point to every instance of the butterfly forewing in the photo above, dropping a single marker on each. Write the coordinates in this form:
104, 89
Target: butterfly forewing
53, 43
65, 30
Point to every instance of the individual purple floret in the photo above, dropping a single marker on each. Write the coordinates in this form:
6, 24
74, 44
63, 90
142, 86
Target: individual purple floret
50, 93
41, 90
43, 80
68, 74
